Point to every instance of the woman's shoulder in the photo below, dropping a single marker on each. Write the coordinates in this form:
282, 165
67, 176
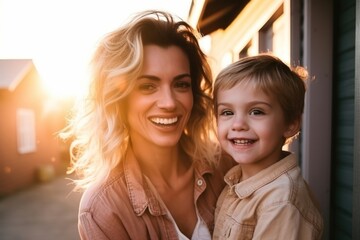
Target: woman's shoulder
103, 194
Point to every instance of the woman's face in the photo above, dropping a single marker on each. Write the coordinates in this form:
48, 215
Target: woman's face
159, 106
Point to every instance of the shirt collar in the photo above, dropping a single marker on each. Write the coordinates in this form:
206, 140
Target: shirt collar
143, 194
249, 186
141, 197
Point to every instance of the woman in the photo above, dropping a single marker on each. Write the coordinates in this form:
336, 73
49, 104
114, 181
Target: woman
143, 137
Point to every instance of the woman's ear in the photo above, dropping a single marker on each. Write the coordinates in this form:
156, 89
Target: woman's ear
293, 129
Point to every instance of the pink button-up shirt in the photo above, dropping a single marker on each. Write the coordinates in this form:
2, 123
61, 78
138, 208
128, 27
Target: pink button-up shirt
127, 205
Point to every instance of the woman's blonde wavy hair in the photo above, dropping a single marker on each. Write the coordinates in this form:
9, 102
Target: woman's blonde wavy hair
98, 126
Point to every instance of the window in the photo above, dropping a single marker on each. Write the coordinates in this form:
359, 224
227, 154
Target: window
26, 138
272, 37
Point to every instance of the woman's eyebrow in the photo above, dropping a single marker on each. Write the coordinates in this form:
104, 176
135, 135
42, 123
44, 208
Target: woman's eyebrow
182, 76
155, 78
150, 77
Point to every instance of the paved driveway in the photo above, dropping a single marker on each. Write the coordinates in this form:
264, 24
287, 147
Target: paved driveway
47, 211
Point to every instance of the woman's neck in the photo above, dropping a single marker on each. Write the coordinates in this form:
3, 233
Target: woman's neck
162, 162
171, 172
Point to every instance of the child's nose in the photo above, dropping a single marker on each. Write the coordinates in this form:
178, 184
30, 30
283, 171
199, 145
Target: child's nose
239, 123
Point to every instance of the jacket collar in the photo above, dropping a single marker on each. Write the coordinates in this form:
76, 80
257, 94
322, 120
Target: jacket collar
141, 197
249, 186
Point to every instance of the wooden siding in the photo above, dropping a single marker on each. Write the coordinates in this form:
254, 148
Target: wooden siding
343, 119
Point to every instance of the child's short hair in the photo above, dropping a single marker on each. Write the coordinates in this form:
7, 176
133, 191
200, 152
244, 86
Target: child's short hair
272, 76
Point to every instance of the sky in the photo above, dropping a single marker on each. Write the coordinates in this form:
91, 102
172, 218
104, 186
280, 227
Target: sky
60, 35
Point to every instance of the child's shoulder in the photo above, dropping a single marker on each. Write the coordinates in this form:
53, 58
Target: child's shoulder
289, 188
285, 186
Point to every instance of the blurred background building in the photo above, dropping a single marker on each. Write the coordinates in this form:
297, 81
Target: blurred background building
29, 151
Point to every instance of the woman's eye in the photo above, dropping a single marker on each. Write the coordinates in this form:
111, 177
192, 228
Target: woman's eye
183, 85
146, 87
256, 112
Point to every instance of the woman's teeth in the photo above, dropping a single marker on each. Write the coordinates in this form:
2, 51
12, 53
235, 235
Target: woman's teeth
164, 121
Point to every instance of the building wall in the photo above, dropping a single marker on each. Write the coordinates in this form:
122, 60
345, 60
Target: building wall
308, 40
324, 37
18, 171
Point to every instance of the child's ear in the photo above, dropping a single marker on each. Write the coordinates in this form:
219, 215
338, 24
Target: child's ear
293, 129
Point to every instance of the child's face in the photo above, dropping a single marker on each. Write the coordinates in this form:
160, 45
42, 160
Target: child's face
251, 127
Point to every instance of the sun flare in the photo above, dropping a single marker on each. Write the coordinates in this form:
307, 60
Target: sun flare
62, 79
61, 35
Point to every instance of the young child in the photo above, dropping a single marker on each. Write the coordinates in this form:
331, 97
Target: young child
259, 103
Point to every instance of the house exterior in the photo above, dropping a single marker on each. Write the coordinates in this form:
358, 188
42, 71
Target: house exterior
29, 149
323, 36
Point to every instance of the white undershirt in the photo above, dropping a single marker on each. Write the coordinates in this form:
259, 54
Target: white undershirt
201, 231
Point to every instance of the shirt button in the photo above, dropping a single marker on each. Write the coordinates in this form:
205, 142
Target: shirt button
200, 182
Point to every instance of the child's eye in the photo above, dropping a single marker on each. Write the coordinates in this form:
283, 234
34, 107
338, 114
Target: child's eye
256, 112
226, 113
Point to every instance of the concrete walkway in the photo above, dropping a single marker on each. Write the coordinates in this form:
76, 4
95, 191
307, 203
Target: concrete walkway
47, 211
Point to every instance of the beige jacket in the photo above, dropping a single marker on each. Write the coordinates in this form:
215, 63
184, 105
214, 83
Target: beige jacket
274, 204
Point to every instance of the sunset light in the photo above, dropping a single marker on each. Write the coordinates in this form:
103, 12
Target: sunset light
62, 77
60, 36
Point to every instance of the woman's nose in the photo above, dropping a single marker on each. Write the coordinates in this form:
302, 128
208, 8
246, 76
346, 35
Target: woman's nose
166, 99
